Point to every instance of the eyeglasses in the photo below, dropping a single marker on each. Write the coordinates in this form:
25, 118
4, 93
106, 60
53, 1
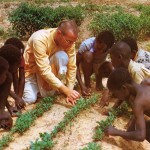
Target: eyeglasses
67, 41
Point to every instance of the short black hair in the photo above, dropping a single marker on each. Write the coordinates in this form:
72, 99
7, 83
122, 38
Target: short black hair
118, 78
3, 65
121, 48
106, 37
131, 42
11, 53
15, 42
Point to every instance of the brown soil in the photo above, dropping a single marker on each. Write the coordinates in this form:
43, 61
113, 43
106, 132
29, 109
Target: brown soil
80, 133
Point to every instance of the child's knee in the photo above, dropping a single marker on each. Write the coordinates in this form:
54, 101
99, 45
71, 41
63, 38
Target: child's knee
88, 57
105, 69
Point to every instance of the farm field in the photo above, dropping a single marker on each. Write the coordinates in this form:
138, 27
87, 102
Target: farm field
79, 131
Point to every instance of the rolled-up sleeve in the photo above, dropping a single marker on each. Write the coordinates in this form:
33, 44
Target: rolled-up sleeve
42, 62
71, 68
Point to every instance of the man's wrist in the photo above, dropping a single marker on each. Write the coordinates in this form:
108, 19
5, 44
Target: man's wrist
64, 89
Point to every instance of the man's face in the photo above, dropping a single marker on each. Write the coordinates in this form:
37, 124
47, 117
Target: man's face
3, 77
67, 40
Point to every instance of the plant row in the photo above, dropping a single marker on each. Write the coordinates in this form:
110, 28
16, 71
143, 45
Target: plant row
45, 142
28, 18
102, 125
92, 146
25, 120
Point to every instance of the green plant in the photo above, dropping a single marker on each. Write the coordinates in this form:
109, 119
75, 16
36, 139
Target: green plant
28, 18
25, 120
1, 31
99, 132
81, 105
92, 146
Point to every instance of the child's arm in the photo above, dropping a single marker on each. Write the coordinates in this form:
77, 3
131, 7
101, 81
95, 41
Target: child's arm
15, 81
139, 133
21, 81
19, 101
105, 98
84, 90
4, 92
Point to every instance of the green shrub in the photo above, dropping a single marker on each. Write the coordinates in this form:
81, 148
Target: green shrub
145, 18
1, 31
145, 10
27, 18
121, 24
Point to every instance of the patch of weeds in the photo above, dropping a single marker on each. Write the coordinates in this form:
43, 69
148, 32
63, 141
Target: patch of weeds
28, 18
2, 31
121, 24
92, 146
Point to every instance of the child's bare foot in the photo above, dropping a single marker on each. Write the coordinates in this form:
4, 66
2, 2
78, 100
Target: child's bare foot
6, 124
5, 120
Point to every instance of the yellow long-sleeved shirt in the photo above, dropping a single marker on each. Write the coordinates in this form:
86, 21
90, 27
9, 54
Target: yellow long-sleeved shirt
40, 47
138, 71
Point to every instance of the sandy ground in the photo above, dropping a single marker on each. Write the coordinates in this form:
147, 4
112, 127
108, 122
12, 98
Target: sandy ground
80, 133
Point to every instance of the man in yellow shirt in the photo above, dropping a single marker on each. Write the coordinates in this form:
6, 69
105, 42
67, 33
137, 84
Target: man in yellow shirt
50, 53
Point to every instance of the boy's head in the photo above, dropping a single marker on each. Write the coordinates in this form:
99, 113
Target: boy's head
13, 55
118, 83
133, 45
120, 54
104, 40
15, 42
4, 66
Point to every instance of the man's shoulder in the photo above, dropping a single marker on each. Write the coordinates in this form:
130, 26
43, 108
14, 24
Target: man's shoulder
42, 34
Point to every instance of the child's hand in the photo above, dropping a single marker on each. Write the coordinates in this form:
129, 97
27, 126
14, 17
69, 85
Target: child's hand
110, 131
86, 91
20, 102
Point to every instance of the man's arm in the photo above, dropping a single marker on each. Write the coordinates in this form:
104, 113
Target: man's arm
42, 62
44, 69
139, 133
71, 68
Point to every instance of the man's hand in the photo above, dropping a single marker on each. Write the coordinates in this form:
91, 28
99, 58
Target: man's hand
110, 131
72, 97
19, 102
